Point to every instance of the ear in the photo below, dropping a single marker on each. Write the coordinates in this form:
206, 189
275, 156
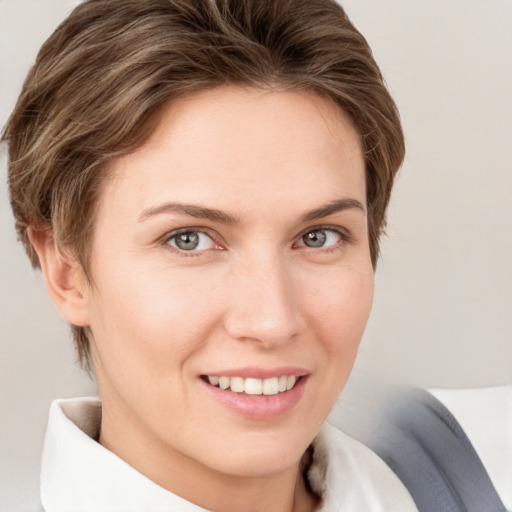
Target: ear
64, 277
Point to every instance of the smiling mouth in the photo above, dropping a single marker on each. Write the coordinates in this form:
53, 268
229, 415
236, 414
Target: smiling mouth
252, 386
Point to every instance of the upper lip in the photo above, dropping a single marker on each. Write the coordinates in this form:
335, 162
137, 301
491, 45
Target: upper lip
259, 373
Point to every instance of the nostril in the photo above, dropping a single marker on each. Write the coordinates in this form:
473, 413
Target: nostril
267, 331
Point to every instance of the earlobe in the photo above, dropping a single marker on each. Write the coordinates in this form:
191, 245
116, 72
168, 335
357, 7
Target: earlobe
64, 278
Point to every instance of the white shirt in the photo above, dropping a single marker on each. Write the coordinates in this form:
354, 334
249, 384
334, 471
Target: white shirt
78, 474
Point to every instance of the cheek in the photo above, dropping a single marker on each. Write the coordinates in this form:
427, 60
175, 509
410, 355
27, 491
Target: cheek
339, 309
338, 306
147, 323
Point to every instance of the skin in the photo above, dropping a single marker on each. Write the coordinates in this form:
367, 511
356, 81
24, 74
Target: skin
253, 294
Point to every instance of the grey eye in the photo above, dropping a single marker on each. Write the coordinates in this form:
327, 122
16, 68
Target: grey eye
320, 238
187, 241
191, 241
315, 238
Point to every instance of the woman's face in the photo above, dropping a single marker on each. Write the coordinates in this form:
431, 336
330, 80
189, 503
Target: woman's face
231, 249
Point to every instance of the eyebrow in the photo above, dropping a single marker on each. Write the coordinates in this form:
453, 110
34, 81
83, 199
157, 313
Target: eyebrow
335, 206
202, 212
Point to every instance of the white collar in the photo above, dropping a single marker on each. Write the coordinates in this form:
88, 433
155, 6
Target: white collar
79, 474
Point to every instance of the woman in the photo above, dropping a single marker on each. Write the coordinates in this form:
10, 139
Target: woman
207, 218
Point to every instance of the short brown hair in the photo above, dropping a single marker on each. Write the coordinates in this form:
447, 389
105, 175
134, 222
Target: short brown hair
111, 64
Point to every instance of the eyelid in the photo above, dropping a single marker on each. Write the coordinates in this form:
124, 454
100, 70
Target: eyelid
191, 229
345, 235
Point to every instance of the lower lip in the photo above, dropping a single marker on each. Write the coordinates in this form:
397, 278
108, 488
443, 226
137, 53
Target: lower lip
261, 407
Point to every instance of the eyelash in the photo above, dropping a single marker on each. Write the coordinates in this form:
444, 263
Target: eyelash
187, 254
345, 238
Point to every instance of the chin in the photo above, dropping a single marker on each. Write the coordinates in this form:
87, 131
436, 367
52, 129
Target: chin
261, 456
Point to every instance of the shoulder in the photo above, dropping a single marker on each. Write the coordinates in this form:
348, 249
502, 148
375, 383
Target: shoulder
351, 477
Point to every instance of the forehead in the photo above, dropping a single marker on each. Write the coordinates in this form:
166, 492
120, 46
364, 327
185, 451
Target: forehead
223, 144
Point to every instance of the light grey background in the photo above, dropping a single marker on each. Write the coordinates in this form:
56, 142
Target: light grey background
443, 305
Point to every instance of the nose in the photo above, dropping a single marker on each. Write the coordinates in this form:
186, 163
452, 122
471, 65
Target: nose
263, 305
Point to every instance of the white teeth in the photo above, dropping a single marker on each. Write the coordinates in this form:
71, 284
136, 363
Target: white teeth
252, 386
237, 384
223, 382
270, 386
213, 380
290, 382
